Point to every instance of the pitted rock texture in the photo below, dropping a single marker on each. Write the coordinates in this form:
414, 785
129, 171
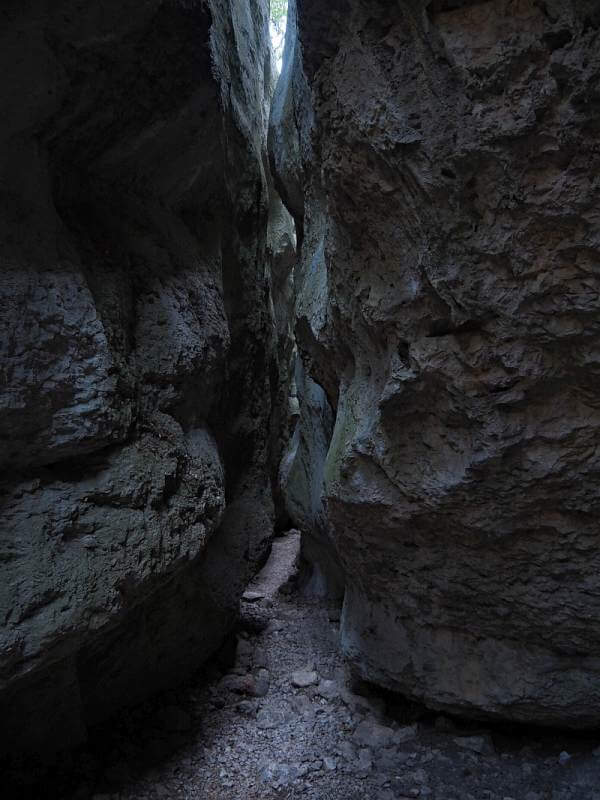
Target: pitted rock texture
135, 344
448, 303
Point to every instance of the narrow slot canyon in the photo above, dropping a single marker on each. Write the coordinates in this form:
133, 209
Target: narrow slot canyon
299, 392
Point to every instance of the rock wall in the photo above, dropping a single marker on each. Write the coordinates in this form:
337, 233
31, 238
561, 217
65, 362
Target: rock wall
136, 348
441, 160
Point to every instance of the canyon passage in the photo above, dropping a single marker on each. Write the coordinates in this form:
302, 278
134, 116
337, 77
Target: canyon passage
357, 300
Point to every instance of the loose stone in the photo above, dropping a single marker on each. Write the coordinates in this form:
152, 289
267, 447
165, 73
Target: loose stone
304, 678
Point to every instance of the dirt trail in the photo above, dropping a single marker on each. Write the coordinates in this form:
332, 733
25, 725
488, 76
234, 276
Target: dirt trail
278, 716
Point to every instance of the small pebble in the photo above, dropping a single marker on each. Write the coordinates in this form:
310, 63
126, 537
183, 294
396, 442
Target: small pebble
304, 678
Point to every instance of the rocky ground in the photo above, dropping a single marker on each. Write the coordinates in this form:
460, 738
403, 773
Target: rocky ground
277, 715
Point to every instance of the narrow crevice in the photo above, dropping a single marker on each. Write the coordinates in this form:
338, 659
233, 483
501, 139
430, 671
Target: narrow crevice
259, 533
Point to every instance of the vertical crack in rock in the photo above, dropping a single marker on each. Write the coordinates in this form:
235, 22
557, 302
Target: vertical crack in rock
440, 160
301, 475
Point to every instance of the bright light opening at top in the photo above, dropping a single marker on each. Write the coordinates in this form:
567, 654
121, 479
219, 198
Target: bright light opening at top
277, 24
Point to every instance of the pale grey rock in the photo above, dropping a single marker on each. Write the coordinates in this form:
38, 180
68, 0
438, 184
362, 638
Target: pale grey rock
372, 734
447, 304
301, 679
329, 689
279, 571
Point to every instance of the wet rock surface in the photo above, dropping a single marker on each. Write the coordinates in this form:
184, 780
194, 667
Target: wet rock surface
448, 301
136, 338
335, 739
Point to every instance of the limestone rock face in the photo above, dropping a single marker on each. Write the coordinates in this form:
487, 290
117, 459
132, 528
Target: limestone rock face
448, 304
135, 342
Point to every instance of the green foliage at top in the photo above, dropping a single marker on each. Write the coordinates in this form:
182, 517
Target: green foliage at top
278, 12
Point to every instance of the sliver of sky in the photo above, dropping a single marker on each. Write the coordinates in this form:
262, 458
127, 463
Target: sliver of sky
277, 24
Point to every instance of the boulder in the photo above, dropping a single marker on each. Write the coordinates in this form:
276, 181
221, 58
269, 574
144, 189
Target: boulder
136, 336
447, 304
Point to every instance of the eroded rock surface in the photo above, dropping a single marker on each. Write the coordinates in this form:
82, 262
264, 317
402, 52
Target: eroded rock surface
448, 304
135, 344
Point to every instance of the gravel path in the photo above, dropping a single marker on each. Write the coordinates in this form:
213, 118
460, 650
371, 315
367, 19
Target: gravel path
277, 715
